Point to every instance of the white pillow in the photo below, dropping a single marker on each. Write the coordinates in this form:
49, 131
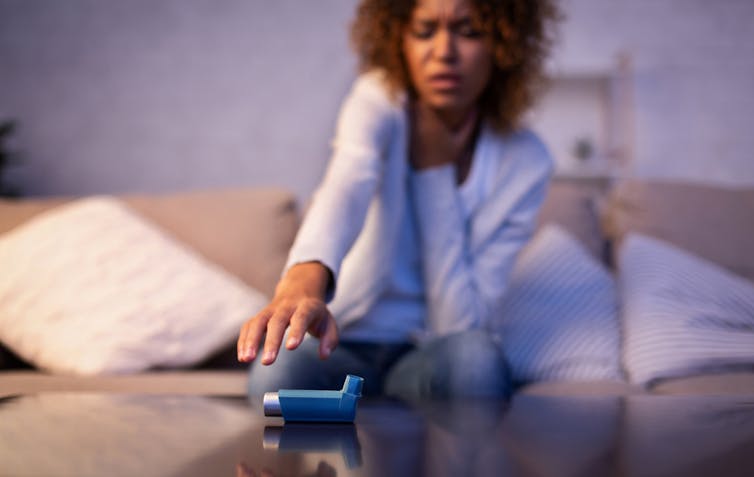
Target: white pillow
682, 315
91, 288
559, 320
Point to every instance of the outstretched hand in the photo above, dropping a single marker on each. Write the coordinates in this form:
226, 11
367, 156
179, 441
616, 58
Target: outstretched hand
298, 307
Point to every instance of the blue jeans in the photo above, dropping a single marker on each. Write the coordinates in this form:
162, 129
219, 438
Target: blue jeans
467, 364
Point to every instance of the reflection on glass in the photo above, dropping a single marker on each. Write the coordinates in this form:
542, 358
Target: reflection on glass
323, 470
324, 438
689, 435
88, 434
62, 434
526, 436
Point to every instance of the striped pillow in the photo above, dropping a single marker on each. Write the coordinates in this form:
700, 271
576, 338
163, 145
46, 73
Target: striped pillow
682, 314
559, 320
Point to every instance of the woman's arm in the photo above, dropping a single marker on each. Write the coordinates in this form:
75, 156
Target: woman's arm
331, 225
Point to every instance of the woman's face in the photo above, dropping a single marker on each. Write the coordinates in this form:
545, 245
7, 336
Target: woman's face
448, 57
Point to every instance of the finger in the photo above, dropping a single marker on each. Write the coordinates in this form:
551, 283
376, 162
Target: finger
251, 335
275, 330
329, 338
241, 343
300, 321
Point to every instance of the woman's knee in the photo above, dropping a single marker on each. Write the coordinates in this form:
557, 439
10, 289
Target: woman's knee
467, 364
472, 349
475, 365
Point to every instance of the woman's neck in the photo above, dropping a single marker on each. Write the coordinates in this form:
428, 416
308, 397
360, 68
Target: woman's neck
455, 118
463, 165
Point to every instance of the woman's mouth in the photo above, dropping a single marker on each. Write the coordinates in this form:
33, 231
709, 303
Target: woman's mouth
445, 81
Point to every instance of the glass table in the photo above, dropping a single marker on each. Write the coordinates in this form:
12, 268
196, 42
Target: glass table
81, 434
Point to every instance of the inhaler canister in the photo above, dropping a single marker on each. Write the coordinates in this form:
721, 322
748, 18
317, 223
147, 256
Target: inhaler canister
306, 405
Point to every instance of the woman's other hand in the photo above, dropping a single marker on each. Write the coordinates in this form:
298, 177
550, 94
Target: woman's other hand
298, 306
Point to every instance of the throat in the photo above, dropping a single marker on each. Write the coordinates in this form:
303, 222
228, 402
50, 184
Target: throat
463, 165
465, 160
455, 118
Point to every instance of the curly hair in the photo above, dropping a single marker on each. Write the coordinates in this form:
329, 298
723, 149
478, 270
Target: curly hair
520, 32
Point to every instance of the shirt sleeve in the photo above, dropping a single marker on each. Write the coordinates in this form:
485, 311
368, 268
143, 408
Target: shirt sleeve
466, 261
340, 203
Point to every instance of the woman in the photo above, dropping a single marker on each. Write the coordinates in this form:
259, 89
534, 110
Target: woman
431, 191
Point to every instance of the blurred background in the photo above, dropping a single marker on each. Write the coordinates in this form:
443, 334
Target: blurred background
153, 96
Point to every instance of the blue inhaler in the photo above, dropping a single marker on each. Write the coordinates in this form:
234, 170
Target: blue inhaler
304, 405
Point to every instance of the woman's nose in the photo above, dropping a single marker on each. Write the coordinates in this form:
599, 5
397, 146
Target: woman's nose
445, 45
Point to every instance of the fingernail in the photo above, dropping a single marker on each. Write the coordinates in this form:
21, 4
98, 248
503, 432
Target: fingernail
326, 351
247, 354
292, 341
269, 355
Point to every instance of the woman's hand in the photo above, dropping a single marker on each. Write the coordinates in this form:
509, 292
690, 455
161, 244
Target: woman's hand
436, 138
298, 306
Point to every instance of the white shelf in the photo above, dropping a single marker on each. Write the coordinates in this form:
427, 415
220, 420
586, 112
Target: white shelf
586, 119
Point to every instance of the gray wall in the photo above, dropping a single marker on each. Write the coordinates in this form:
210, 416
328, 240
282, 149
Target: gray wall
160, 95
140, 95
693, 80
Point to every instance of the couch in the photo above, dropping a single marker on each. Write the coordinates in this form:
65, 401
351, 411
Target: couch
246, 233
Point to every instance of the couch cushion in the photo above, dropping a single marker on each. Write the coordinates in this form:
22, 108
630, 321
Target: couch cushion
706, 384
90, 287
559, 319
682, 315
14, 212
715, 223
247, 231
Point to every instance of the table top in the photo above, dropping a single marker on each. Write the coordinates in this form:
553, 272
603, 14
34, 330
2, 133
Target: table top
84, 434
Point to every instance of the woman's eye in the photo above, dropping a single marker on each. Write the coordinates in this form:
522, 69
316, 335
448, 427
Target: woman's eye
468, 30
423, 31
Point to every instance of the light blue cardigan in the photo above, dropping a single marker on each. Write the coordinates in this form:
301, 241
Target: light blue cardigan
354, 221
